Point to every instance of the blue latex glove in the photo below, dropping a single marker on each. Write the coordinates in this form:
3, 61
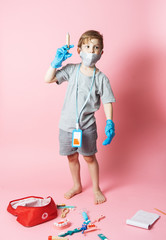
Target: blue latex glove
61, 55
109, 131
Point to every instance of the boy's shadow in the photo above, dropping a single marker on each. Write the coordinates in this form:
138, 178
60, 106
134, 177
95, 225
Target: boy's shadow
135, 112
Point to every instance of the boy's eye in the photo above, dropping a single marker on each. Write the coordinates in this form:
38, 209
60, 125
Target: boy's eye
87, 46
96, 47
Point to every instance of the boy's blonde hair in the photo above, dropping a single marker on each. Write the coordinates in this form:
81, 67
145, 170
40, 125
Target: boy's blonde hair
88, 35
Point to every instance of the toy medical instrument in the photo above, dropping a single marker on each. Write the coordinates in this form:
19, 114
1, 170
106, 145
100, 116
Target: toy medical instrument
84, 229
85, 216
160, 211
68, 40
92, 82
70, 232
87, 226
64, 206
77, 133
61, 55
62, 224
57, 238
90, 228
101, 236
65, 211
109, 131
98, 219
61, 205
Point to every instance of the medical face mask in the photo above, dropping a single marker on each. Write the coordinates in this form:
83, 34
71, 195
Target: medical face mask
89, 59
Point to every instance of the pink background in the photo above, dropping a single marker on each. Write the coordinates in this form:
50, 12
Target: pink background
132, 168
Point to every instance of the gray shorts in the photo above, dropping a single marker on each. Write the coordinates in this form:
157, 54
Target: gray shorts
89, 137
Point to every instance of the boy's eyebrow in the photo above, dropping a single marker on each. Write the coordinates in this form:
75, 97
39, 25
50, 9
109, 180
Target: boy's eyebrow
94, 44
97, 45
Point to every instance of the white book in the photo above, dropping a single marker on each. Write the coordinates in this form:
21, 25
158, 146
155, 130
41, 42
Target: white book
143, 219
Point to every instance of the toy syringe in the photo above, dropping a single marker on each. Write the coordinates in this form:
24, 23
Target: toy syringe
68, 40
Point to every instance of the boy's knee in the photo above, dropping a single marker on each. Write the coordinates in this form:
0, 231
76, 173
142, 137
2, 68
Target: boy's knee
73, 157
90, 159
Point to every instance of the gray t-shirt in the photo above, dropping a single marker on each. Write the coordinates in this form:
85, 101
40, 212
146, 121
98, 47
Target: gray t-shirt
101, 89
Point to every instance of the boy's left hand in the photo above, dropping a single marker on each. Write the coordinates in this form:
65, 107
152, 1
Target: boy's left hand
109, 131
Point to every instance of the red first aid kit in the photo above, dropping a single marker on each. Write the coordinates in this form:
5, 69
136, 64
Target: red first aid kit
31, 211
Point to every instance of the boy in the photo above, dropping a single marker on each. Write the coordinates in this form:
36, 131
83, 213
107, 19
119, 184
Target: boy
86, 86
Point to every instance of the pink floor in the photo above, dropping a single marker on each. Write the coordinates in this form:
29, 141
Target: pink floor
133, 167
127, 190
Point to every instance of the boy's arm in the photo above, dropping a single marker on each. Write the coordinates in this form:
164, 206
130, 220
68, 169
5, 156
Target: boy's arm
108, 109
110, 127
50, 76
61, 55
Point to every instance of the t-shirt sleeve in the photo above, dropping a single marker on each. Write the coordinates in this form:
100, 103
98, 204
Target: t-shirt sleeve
64, 73
105, 90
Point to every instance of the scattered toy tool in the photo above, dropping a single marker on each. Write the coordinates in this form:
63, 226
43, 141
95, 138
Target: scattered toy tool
65, 211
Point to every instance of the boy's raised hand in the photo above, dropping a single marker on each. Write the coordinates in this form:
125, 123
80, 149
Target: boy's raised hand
109, 131
61, 55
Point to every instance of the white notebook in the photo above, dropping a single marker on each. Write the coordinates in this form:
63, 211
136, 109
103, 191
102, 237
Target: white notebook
143, 219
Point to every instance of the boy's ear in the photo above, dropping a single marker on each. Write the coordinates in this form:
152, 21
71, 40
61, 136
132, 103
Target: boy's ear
78, 50
102, 52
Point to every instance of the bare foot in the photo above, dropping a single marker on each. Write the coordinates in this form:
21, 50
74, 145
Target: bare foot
99, 197
72, 192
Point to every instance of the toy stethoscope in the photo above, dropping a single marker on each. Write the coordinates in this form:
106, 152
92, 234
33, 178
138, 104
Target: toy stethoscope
93, 79
77, 133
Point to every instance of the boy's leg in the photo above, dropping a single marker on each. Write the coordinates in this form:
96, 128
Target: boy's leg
94, 173
75, 172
